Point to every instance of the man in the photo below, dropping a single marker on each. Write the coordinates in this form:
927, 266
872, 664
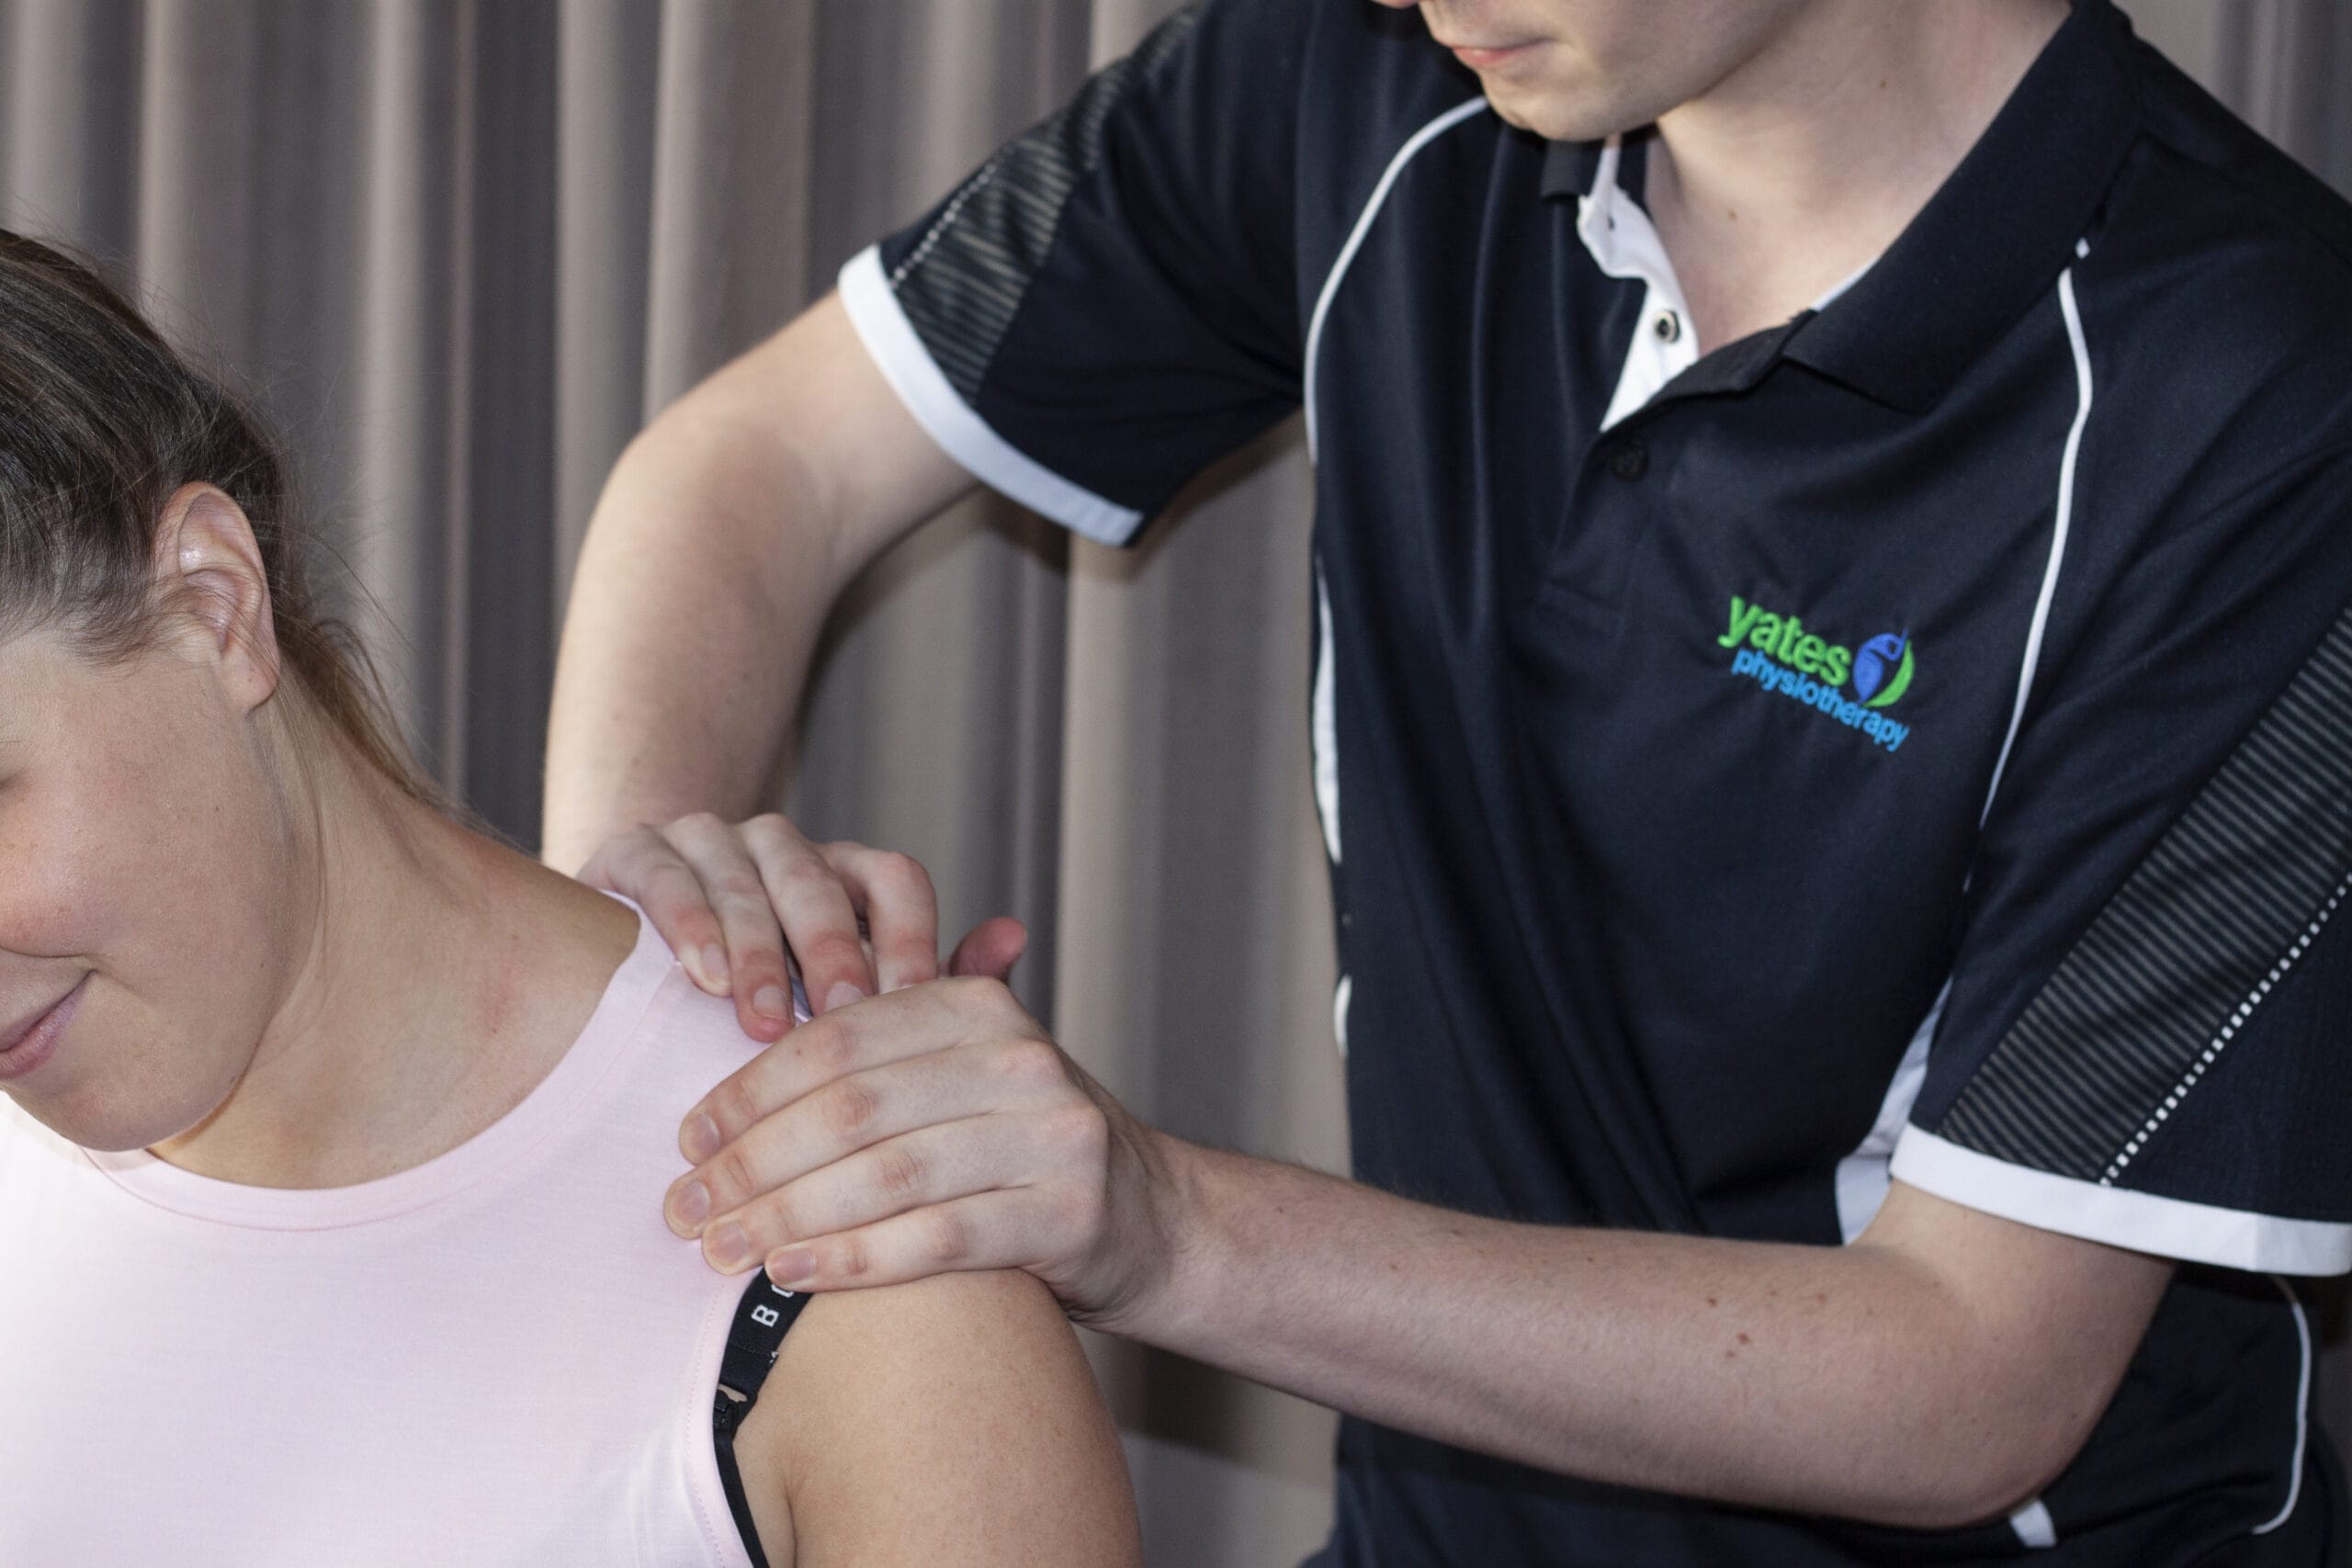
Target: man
1832, 730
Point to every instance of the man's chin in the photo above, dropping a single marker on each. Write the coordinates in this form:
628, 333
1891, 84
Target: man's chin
1555, 120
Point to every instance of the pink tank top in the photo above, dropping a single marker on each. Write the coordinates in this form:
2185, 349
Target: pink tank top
501, 1356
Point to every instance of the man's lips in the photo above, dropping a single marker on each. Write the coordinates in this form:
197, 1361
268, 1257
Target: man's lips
1483, 56
25, 1044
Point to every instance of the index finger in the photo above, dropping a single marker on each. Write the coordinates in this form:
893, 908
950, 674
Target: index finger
647, 869
754, 964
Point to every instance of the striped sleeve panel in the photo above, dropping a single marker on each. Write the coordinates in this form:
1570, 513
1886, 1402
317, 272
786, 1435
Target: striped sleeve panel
963, 280
2121, 1047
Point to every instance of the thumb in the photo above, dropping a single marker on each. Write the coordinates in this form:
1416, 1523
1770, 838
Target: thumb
991, 950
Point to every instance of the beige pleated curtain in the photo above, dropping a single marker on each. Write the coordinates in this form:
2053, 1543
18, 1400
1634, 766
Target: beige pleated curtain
462, 249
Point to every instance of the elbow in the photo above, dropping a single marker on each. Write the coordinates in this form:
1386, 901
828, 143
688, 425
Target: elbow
1980, 1480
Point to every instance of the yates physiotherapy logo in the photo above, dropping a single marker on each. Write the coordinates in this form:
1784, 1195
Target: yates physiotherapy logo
1780, 655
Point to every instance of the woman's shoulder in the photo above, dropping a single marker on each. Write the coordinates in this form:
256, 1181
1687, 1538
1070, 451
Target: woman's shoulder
953, 1418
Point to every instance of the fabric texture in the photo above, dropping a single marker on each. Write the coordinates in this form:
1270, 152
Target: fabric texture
463, 252
499, 1357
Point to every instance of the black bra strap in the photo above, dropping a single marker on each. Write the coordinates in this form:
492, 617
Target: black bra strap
762, 1319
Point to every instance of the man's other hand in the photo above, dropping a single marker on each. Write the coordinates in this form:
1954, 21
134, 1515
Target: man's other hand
730, 898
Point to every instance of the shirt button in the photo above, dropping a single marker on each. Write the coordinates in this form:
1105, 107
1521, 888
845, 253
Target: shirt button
1630, 461
1669, 326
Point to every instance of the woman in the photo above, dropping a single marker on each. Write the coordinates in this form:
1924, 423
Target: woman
382, 1276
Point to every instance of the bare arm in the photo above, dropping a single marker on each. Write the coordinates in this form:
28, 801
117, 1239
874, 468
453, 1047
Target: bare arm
1937, 1373
721, 542
950, 1421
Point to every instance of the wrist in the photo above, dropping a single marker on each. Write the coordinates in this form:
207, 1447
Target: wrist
1177, 1292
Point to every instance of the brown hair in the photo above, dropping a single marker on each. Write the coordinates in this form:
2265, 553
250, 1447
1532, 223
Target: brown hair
100, 422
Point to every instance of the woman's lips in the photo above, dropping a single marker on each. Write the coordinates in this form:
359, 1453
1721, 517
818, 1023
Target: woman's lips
29, 1046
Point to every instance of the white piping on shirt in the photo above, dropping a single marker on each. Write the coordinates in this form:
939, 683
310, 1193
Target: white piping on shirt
1862, 1178
2302, 1409
1327, 759
1419, 139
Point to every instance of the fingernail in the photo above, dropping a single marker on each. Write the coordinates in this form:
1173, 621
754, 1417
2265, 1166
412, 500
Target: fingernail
842, 995
792, 1269
727, 1247
691, 1205
714, 966
771, 1001
698, 1140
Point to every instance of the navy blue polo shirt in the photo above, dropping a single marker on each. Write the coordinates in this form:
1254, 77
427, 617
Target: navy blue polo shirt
1914, 741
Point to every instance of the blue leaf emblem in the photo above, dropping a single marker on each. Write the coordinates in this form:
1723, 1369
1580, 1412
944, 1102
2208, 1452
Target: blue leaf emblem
1885, 656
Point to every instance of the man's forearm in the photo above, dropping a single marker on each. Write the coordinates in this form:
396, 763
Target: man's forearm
717, 547
683, 651
1844, 1380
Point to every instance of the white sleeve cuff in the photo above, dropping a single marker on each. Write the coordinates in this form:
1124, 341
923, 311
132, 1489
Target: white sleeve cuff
2141, 1222
899, 352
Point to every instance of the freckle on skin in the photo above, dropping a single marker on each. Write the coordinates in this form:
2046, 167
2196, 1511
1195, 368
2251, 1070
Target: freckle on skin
1711, 1301
1743, 1338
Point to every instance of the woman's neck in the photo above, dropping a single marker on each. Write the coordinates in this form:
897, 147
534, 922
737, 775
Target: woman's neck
433, 979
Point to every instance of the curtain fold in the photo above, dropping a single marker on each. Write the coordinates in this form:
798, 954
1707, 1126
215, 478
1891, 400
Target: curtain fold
461, 250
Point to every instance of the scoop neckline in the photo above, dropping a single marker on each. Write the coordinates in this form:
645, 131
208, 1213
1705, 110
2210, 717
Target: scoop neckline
551, 1102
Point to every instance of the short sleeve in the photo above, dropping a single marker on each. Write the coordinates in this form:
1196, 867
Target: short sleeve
1108, 303
2144, 1042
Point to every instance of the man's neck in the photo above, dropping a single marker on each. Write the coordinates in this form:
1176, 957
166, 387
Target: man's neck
434, 979
1806, 163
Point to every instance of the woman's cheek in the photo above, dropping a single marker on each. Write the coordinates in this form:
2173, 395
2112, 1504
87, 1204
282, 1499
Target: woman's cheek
51, 894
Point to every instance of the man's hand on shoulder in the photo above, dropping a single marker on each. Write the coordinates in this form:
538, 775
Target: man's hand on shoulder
932, 1129
732, 898
935, 1126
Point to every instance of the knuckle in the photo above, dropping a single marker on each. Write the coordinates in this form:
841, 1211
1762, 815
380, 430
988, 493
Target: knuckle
836, 1050
1078, 1130
853, 1258
625, 853
1029, 1062
769, 836
849, 1107
777, 1220
699, 824
741, 886
807, 876
904, 869
734, 1177
899, 1171
944, 1236
834, 949
978, 996
732, 1104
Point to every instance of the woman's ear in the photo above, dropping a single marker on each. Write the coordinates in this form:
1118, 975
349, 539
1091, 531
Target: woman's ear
209, 574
